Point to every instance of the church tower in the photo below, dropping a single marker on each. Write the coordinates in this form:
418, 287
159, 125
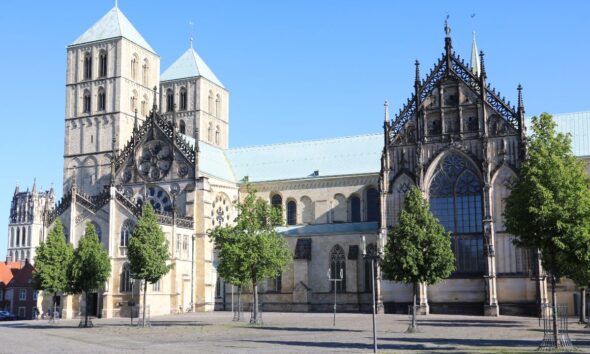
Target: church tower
25, 226
193, 97
111, 74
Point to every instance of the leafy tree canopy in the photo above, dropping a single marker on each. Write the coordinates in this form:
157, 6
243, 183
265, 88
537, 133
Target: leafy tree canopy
418, 249
148, 248
549, 206
91, 266
52, 260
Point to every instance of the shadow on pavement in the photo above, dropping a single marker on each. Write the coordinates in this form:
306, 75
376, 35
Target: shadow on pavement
305, 329
341, 345
470, 323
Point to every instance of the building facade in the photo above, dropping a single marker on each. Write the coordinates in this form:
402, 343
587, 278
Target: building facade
134, 136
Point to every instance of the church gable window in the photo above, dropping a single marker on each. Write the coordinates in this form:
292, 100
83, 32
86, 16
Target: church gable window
183, 101
373, 209
86, 101
355, 209
101, 99
337, 267
102, 64
87, 66
126, 231
291, 212
169, 100
456, 200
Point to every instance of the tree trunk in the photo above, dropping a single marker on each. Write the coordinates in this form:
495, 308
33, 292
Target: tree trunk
239, 302
413, 326
86, 314
583, 306
144, 299
554, 300
254, 319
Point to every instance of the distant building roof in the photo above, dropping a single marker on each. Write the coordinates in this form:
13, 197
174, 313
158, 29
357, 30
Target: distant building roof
328, 157
578, 125
5, 274
113, 25
212, 160
188, 65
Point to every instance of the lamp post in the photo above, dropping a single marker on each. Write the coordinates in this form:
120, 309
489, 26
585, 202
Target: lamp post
373, 258
335, 279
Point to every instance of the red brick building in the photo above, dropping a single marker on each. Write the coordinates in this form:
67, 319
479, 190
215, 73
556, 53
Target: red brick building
17, 293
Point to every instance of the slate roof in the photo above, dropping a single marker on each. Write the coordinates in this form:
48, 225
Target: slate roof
189, 65
578, 125
330, 157
113, 25
212, 160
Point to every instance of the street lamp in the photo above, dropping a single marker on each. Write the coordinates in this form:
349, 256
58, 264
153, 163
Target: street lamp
373, 257
335, 279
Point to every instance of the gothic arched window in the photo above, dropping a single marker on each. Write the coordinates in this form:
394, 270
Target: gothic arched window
210, 132
355, 209
87, 66
169, 100
133, 103
17, 237
101, 99
217, 135
102, 63
24, 239
182, 127
210, 102
145, 72
338, 264
159, 199
134, 64
126, 231
86, 101
291, 212
125, 284
217, 105
456, 200
276, 201
373, 204
183, 101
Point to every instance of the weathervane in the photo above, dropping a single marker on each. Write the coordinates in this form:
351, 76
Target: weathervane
447, 28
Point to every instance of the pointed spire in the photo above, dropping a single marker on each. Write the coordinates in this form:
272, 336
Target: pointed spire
475, 63
417, 78
16, 189
34, 185
448, 44
520, 102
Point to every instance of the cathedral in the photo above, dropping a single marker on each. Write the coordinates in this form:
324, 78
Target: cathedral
135, 135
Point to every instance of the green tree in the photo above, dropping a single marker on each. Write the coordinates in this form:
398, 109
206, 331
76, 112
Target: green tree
418, 249
90, 267
251, 250
148, 251
549, 206
52, 259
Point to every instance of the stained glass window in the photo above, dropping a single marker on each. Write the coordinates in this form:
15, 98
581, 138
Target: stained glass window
337, 266
455, 199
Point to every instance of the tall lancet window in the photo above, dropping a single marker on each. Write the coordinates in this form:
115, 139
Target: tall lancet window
169, 100
456, 200
87, 66
183, 99
101, 99
145, 72
338, 266
102, 63
86, 101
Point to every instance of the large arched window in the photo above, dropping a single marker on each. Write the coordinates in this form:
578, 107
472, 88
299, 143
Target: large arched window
159, 199
276, 201
183, 101
338, 264
182, 127
87, 66
373, 204
291, 212
12, 237
102, 63
101, 99
24, 239
126, 231
17, 237
86, 101
125, 283
355, 209
169, 100
455, 199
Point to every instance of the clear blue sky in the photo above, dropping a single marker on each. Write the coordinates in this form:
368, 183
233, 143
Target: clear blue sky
296, 69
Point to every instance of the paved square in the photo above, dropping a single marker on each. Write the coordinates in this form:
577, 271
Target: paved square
283, 332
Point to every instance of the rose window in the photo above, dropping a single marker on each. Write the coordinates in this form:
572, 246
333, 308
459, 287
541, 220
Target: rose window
154, 160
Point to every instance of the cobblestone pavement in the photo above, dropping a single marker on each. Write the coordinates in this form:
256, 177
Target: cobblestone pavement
284, 333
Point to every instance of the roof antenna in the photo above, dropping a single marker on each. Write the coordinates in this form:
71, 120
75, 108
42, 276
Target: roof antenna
190, 24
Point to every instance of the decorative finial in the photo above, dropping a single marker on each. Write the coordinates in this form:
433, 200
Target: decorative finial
417, 63
155, 106
447, 28
475, 63
135, 121
386, 106
520, 102
482, 63
190, 24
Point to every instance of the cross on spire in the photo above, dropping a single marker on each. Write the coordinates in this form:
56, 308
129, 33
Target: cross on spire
191, 25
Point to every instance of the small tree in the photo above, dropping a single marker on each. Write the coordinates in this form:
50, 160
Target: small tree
148, 251
90, 267
251, 250
52, 259
418, 248
549, 206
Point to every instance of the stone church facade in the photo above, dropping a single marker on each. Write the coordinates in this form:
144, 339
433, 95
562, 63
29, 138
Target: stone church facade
134, 136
